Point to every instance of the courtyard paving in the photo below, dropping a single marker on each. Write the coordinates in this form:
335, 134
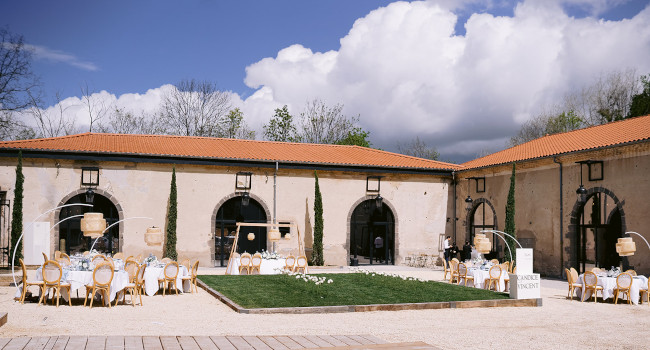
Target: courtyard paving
559, 323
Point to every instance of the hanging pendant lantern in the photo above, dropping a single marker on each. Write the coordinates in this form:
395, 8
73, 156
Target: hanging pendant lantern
274, 235
93, 225
625, 246
482, 243
153, 236
251, 236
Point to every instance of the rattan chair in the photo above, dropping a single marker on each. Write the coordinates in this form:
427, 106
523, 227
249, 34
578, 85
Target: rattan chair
591, 284
596, 270
572, 280
256, 264
187, 263
139, 281
170, 272
166, 260
118, 255
45, 258
85, 253
301, 264
445, 266
131, 267
27, 283
102, 278
462, 274
495, 261
631, 272
645, 292
453, 271
52, 274
132, 287
63, 259
289, 263
623, 285
192, 277
245, 264
506, 277
495, 277
99, 258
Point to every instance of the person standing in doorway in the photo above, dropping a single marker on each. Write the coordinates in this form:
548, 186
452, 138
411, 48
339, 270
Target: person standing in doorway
447, 246
379, 244
467, 251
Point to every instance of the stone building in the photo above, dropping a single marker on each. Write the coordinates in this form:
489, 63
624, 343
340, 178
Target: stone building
611, 162
224, 181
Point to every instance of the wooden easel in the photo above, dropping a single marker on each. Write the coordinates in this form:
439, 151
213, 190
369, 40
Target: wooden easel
301, 247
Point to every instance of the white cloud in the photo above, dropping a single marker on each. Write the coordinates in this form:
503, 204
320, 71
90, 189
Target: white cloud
41, 52
406, 73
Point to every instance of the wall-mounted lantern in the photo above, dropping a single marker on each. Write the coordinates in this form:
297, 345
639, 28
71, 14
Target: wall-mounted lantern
90, 179
468, 200
243, 185
581, 192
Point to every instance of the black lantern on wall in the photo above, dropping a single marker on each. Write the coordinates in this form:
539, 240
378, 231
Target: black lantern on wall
468, 200
581, 192
243, 185
90, 179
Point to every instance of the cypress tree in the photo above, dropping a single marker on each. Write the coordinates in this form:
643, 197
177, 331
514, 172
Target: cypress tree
17, 214
510, 217
170, 243
317, 252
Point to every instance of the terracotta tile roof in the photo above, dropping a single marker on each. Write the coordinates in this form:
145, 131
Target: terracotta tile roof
616, 133
226, 149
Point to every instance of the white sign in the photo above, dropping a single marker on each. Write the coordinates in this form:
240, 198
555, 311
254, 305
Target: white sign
524, 286
35, 242
524, 261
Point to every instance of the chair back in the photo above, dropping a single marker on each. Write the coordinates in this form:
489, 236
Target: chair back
624, 281
187, 264
139, 279
495, 272
506, 266
462, 270
131, 267
22, 267
98, 258
103, 274
119, 255
631, 272
45, 258
256, 260
569, 278
51, 272
166, 260
455, 259
245, 259
444, 265
290, 261
64, 255
574, 275
591, 280
301, 261
453, 266
171, 270
596, 270
195, 269
495, 261
86, 253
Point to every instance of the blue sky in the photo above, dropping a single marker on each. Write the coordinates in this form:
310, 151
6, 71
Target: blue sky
408, 69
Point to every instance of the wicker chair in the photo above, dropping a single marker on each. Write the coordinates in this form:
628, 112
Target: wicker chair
245, 264
572, 280
166, 260
27, 283
495, 276
192, 277
301, 264
462, 274
591, 284
187, 263
45, 258
85, 253
453, 271
132, 287
623, 285
495, 261
63, 260
98, 259
139, 281
102, 278
596, 270
131, 267
645, 292
290, 263
170, 272
256, 264
52, 274
118, 255
445, 266
631, 272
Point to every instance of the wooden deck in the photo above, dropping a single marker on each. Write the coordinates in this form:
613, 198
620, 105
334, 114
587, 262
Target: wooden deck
205, 342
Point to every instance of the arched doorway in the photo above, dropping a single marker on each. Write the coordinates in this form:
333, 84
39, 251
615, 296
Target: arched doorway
599, 225
481, 217
372, 234
72, 240
231, 212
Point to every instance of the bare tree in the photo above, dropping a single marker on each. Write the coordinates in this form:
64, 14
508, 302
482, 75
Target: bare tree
320, 123
17, 82
418, 148
95, 106
51, 122
194, 108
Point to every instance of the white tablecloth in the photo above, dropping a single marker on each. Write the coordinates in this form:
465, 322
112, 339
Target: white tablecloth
481, 275
152, 274
80, 279
609, 284
268, 266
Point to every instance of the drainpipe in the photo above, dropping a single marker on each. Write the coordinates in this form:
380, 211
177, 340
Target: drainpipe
275, 181
561, 221
453, 219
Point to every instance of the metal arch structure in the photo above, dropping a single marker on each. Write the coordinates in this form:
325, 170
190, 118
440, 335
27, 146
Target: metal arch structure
638, 234
301, 247
115, 223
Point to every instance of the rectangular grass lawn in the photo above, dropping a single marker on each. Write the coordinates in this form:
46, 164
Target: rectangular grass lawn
267, 291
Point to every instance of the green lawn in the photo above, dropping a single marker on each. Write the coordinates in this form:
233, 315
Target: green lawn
266, 291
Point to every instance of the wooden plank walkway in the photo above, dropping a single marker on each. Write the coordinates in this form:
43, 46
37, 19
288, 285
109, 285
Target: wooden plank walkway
357, 342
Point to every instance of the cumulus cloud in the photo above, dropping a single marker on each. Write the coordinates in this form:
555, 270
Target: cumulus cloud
43, 53
407, 73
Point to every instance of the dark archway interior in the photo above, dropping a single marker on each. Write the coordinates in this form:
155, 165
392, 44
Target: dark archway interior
369, 226
230, 213
599, 227
482, 217
72, 240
